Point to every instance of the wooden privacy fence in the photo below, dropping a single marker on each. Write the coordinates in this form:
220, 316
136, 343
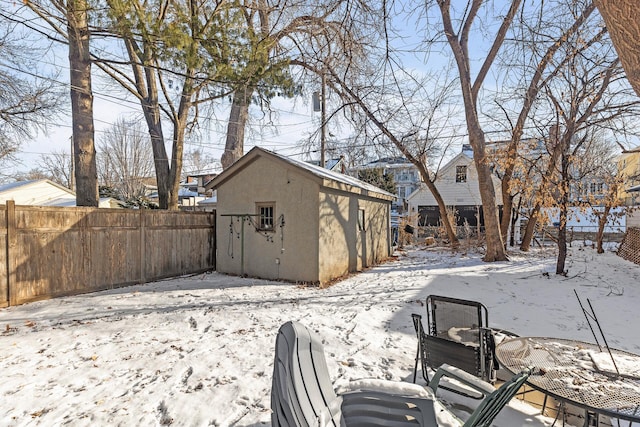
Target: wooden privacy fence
47, 252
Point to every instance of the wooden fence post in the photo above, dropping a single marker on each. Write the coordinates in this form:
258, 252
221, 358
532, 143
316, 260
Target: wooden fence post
143, 232
11, 245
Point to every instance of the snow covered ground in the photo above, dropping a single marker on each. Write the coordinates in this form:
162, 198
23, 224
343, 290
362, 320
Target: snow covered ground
198, 351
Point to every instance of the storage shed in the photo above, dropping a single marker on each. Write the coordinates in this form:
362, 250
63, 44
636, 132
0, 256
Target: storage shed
280, 218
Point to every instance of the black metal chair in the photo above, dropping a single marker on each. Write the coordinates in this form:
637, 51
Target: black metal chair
457, 334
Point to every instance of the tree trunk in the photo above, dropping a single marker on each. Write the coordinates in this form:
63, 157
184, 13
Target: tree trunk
564, 207
529, 230
160, 157
507, 208
562, 241
179, 128
602, 221
558, 144
621, 18
515, 215
86, 174
234, 146
495, 245
146, 86
444, 214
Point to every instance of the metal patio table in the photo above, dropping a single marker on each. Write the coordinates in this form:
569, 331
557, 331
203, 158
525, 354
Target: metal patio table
573, 372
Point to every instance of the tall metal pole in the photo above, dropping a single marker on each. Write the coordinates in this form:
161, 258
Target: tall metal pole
323, 121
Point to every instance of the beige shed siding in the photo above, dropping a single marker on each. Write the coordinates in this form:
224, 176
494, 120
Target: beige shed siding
337, 234
344, 248
376, 236
294, 246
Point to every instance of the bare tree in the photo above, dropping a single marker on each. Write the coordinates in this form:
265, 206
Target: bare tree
588, 92
124, 160
69, 20
197, 161
580, 113
57, 167
413, 126
388, 103
596, 182
458, 41
539, 49
28, 101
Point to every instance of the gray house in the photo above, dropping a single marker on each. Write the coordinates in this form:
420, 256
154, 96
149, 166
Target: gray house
279, 218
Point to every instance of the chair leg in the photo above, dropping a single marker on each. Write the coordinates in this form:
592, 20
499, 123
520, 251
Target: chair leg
415, 367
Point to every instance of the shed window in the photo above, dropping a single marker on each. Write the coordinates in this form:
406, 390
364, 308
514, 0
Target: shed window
266, 211
361, 225
461, 174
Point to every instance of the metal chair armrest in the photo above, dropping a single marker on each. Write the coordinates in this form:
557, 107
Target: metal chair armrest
461, 376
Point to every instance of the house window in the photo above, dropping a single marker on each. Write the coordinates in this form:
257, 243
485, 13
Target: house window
461, 174
597, 187
401, 192
266, 212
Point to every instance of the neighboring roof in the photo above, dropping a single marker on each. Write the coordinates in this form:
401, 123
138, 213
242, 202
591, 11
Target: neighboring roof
467, 156
331, 164
185, 192
39, 192
305, 167
419, 188
42, 192
388, 161
633, 150
209, 201
25, 184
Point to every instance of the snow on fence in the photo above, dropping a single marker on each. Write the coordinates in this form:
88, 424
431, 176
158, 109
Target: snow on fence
48, 252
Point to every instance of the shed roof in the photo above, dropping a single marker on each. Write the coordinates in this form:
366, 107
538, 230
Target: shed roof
329, 178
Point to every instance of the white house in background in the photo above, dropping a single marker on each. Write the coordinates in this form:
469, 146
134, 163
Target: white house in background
42, 192
457, 182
